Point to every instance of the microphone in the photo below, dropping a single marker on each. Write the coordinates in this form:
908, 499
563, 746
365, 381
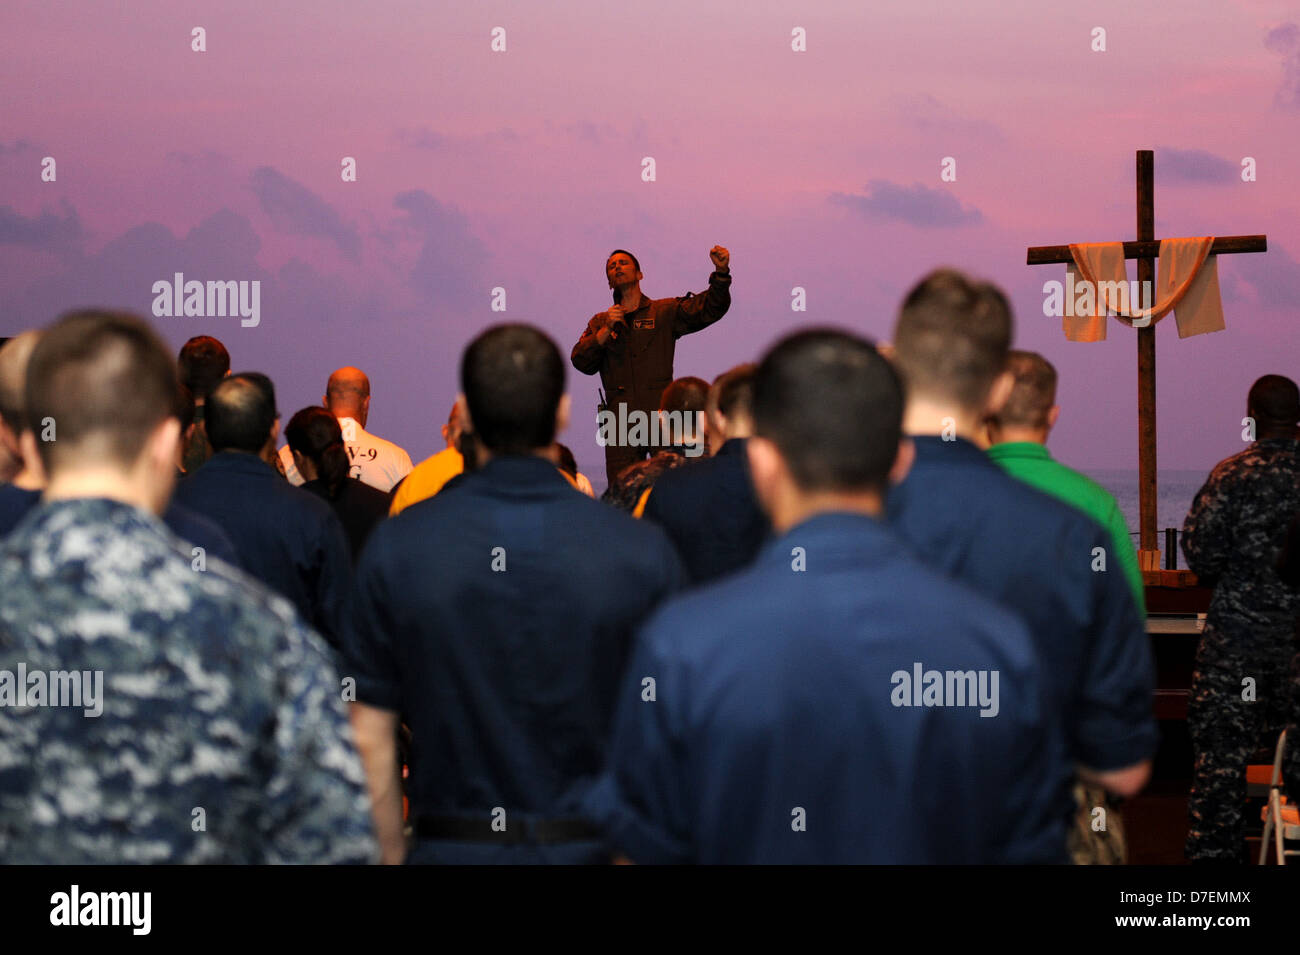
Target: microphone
613, 327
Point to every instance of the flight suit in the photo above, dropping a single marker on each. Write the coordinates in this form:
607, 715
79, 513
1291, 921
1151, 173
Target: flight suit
635, 369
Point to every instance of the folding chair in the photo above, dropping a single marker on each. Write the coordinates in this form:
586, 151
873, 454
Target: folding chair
1281, 819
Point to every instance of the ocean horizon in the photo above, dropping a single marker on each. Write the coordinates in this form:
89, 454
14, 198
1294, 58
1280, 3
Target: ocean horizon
1175, 492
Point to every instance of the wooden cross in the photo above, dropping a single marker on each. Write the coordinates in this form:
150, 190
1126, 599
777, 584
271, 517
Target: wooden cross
1145, 250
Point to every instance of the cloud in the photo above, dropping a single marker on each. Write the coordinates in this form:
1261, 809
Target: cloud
449, 265
1284, 40
929, 116
421, 137
49, 232
1196, 165
16, 147
1273, 277
915, 204
297, 210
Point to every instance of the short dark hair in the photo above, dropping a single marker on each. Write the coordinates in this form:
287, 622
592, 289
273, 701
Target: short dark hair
833, 406
203, 362
1275, 401
952, 337
106, 381
240, 413
627, 253
513, 379
1033, 392
733, 391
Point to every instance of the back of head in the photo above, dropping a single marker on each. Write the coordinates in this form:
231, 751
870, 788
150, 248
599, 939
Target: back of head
513, 379
14, 357
833, 406
1033, 392
732, 394
685, 394
315, 434
346, 392
203, 362
952, 338
1274, 401
241, 413
105, 380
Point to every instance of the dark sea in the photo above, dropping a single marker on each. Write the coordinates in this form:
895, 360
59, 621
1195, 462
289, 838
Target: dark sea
1177, 488
1173, 499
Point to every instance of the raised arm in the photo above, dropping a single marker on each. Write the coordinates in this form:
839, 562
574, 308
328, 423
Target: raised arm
696, 312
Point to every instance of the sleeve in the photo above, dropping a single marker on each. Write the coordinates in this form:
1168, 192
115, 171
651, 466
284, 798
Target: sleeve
368, 654
640, 800
696, 312
316, 808
587, 354
1114, 725
1208, 530
333, 596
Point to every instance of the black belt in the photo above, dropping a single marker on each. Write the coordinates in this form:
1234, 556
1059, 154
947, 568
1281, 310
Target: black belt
517, 831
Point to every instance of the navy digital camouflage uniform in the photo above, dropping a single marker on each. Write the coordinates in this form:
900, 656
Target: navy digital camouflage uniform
215, 697
1231, 538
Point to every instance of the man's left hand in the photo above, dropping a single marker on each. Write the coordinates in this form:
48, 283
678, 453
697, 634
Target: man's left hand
721, 258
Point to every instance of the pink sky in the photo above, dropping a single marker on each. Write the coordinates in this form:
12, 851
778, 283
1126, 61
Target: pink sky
522, 170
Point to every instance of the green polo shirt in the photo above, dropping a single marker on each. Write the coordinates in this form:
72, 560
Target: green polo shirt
1031, 463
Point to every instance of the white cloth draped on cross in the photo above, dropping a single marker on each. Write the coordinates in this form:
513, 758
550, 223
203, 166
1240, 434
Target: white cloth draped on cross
1187, 281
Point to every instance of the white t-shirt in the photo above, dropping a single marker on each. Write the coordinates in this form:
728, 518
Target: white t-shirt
375, 461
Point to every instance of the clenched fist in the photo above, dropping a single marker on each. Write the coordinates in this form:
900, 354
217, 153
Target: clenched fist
721, 258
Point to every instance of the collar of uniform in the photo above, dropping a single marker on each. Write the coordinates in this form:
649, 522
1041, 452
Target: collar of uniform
53, 517
357, 430
238, 462
732, 446
645, 303
522, 473
1019, 449
837, 535
934, 451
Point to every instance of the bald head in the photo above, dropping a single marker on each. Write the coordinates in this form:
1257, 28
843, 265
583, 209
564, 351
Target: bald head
347, 394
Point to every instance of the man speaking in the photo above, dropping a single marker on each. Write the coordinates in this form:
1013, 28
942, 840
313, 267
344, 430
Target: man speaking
632, 344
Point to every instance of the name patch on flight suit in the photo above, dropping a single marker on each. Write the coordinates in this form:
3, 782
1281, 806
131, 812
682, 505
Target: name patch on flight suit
647, 322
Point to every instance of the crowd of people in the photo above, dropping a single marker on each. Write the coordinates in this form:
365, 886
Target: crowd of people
876, 622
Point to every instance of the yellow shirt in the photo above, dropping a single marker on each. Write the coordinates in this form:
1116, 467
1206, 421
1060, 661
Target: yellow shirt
427, 479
